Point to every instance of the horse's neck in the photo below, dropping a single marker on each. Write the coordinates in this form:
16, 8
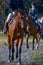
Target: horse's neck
18, 16
32, 23
30, 20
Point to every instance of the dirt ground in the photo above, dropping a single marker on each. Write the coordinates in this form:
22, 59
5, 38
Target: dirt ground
28, 57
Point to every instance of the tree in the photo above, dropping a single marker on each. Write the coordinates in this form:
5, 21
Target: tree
4, 8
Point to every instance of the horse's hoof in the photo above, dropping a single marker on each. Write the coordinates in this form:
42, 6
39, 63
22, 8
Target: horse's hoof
27, 47
37, 46
8, 61
19, 63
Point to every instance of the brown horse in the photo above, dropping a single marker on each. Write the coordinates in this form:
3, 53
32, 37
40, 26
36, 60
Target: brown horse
15, 32
33, 31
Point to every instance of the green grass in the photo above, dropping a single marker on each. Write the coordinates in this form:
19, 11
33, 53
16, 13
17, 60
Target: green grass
30, 37
3, 40
36, 57
4, 43
2, 35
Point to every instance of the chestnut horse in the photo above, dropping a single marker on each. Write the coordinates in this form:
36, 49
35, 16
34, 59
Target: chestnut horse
15, 32
32, 29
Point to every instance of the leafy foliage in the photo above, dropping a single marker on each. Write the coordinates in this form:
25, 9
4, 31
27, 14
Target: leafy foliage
4, 8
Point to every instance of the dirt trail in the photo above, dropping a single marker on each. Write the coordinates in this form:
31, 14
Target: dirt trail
26, 59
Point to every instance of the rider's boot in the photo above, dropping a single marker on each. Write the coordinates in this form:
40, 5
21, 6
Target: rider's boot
38, 27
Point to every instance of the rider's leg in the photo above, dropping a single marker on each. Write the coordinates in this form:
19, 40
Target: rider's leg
37, 23
7, 21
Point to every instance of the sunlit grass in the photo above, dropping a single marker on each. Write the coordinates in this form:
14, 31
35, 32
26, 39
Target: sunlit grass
36, 57
2, 36
3, 40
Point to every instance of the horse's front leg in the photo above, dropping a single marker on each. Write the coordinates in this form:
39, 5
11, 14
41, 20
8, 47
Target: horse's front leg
37, 45
20, 49
9, 54
9, 46
12, 50
17, 48
37, 40
33, 44
27, 36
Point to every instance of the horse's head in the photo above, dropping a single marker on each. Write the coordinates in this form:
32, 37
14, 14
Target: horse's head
22, 13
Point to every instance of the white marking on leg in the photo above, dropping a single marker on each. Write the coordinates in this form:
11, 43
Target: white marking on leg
19, 63
37, 46
8, 61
